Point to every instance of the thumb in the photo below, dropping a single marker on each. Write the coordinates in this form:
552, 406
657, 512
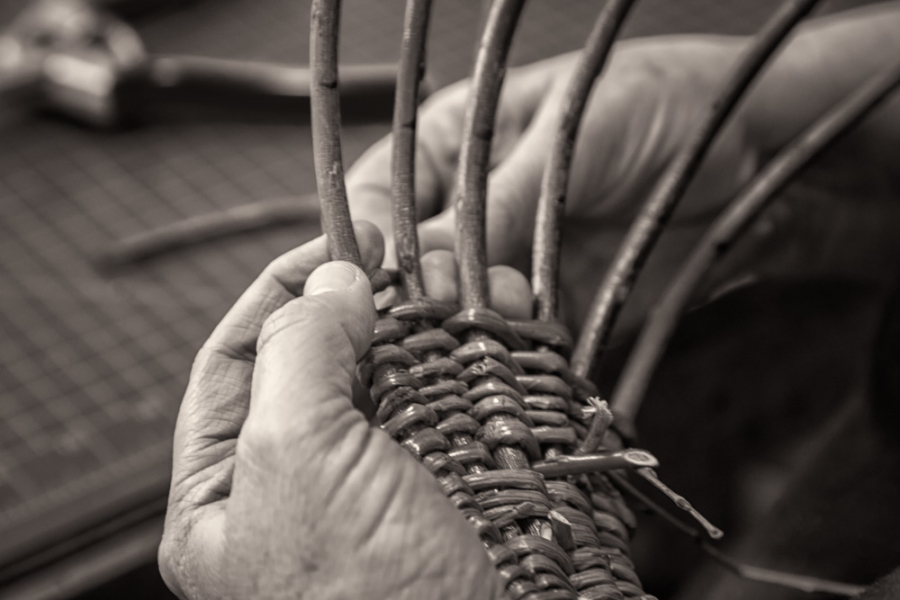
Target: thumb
306, 359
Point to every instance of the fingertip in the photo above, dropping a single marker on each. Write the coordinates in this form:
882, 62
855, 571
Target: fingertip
509, 288
438, 232
344, 290
439, 274
335, 276
369, 185
510, 293
371, 243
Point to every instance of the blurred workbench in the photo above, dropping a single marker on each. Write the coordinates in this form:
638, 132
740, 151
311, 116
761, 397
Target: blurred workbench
92, 366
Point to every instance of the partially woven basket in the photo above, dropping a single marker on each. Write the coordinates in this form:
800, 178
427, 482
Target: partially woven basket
520, 442
468, 395
477, 399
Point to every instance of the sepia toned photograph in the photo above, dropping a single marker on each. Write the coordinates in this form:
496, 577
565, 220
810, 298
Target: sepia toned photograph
449, 300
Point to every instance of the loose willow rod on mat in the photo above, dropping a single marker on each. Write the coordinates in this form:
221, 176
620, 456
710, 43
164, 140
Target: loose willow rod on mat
326, 131
551, 205
739, 215
475, 153
208, 227
647, 227
403, 186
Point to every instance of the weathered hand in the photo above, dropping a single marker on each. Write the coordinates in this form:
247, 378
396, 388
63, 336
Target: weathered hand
650, 98
281, 488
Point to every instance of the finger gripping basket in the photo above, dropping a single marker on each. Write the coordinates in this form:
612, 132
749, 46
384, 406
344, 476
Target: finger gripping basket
478, 399
514, 433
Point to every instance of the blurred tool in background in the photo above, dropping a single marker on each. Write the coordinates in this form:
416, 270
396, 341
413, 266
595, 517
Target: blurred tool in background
81, 60
92, 368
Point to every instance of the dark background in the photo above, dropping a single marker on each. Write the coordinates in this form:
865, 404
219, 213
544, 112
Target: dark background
93, 365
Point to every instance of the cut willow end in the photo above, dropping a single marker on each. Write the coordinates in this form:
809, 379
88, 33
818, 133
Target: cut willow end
647, 227
784, 579
326, 131
411, 71
475, 152
737, 218
545, 261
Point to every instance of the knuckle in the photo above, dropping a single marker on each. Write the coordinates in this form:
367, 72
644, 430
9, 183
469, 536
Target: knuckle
203, 359
450, 95
208, 355
278, 265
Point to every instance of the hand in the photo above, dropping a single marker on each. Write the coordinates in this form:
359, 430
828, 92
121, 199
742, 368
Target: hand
280, 487
641, 112
649, 100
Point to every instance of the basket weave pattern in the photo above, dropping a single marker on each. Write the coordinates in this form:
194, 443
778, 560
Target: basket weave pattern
464, 390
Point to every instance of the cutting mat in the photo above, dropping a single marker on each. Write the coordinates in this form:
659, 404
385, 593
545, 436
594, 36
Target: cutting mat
92, 367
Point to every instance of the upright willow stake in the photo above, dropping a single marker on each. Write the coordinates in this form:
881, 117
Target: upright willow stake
647, 227
475, 153
326, 131
412, 68
545, 262
474, 157
739, 215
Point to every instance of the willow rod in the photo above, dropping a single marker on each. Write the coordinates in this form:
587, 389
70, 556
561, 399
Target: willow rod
647, 227
403, 186
783, 579
471, 186
551, 205
739, 215
326, 131
475, 153
200, 229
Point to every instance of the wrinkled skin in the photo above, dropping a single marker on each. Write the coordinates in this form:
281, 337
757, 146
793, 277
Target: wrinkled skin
256, 511
651, 96
608, 179
281, 488
838, 222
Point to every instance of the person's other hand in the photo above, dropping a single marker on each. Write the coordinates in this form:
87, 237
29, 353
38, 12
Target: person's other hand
650, 97
648, 102
281, 488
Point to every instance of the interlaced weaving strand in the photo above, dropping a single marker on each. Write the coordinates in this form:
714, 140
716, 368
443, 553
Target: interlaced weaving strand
465, 391
516, 438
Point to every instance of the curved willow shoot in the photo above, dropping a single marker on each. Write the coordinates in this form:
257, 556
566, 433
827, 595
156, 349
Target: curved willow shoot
647, 227
412, 68
739, 215
545, 262
475, 153
326, 131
